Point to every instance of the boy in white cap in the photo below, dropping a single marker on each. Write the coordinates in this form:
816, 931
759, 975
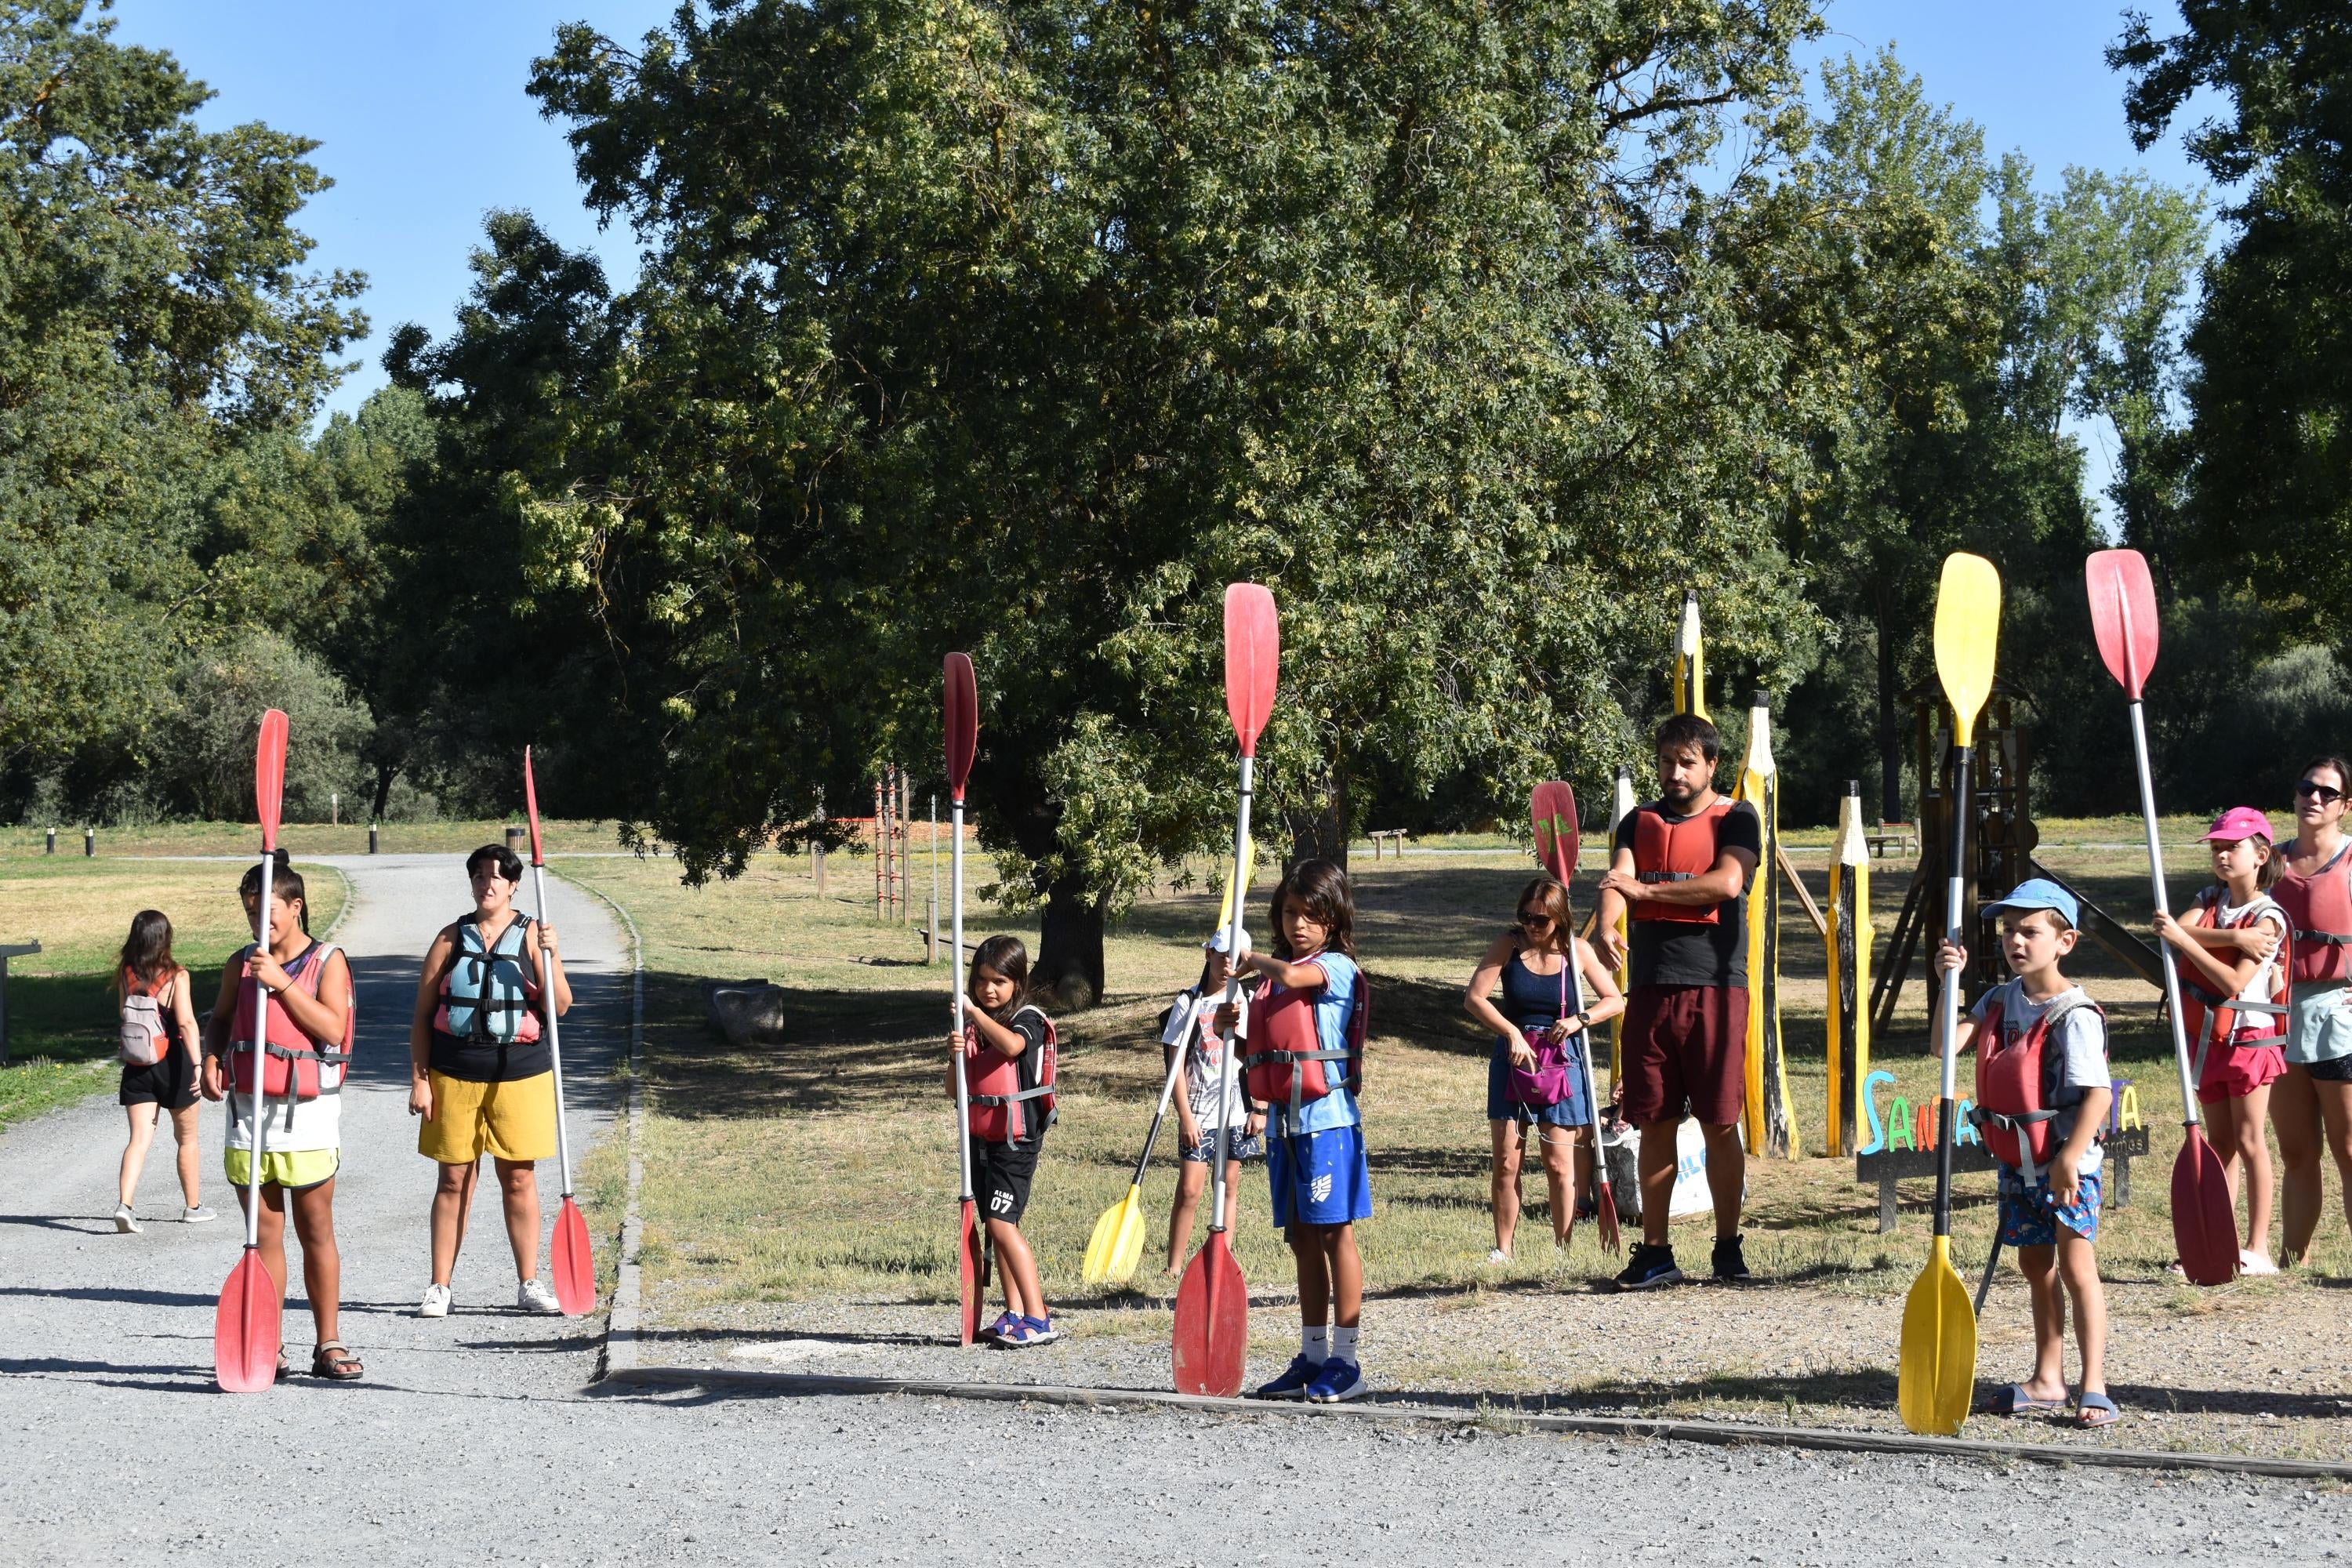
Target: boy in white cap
1197, 1023
2042, 1094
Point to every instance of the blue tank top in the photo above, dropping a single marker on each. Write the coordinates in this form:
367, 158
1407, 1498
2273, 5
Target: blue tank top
1531, 1000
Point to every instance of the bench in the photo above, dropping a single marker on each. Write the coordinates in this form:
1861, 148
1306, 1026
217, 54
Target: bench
12, 950
1911, 1154
1899, 837
1393, 836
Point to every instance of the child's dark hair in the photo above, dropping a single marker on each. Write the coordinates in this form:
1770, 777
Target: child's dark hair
1002, 955
285, 886
1548, 893
1322, 889
1690, 729
501, 860
147, 951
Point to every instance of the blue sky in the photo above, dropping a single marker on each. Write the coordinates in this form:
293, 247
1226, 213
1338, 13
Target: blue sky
419, 107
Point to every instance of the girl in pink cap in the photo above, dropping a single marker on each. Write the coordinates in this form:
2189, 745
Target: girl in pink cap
2233, 1005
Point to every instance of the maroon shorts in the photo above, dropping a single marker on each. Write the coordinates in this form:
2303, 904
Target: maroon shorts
1685, 1048
2233, 1072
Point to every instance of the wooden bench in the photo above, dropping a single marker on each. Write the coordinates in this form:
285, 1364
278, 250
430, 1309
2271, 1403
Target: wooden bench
1393, 836
1900, 837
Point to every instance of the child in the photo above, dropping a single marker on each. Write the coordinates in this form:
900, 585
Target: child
1008, 1047
1306, 1069
159, 1066
2042, 1091
2234, 973
1211, 1097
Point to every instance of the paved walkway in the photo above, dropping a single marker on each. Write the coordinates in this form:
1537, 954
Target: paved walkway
480, 1439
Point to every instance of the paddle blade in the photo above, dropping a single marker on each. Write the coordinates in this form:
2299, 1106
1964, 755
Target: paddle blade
960, 710
971, 1267
2122, 614
574, 1265
1212, 1341
245, 1326
1937, 1377
1238, 886
530, 808
1968, 625
269, 780
1551, 808
2204, 1221
1119, 1223
1253, 660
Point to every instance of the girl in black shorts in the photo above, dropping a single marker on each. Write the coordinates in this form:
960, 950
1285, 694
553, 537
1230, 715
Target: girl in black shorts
169, 1084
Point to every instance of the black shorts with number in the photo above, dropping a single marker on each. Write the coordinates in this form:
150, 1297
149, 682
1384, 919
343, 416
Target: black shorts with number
1001, 1177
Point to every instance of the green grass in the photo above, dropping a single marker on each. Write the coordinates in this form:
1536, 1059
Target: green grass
61, 1014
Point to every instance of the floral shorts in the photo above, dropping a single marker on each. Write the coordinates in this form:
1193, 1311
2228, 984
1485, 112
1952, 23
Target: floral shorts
2030, 1219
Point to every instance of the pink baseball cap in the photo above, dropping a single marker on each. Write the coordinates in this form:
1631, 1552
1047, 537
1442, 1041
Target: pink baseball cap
2241, 822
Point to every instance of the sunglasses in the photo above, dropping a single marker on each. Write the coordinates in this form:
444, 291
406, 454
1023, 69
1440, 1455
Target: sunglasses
1536, 918
2321, 793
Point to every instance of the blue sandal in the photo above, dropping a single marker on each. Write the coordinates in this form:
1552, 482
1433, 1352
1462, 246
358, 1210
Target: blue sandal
2096, 1410
2015, 1401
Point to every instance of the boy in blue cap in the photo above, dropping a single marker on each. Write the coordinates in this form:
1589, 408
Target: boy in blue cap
2042, 1091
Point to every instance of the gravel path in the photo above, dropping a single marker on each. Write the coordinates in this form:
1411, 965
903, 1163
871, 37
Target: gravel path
113, 1444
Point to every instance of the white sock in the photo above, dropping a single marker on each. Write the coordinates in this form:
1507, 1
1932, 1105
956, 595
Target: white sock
1315, 1342
1343, 1345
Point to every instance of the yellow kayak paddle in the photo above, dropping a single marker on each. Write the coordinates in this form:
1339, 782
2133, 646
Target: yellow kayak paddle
1935, 1379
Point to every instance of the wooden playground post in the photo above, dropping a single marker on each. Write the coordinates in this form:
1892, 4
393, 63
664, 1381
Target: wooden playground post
1849, 1011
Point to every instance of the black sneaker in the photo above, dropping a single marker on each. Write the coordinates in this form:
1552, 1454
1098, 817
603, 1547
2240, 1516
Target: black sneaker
1650, 1268
1731, 1264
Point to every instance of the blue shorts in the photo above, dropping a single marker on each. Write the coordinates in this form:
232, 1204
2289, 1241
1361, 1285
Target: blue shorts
1501, 1107
1318, 1178
2030, 1219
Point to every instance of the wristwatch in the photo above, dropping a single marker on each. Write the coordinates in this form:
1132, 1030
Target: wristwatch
1584, 1020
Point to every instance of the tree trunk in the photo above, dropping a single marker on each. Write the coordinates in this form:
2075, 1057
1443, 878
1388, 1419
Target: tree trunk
384, 774
1890, 734
1320, 834
1069, 967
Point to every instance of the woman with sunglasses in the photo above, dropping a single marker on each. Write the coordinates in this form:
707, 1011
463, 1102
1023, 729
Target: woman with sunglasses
2312, 1103
1535, 1077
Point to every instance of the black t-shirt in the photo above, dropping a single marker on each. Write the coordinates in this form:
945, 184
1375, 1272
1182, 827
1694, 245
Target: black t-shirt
1680, 953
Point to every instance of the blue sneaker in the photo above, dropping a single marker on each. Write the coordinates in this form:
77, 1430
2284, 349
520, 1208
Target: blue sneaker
1334, 1381
1291, 1383
995, 1330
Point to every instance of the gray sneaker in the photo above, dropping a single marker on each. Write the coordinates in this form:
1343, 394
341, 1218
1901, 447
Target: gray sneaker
199, 1215
124, 1220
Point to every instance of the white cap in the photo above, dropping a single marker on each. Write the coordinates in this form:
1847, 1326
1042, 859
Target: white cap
1217, 943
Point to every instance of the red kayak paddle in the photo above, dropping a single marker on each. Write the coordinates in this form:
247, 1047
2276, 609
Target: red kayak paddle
568, 1257
961, 715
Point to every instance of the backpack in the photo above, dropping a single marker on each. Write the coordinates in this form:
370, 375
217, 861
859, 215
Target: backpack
146, 1030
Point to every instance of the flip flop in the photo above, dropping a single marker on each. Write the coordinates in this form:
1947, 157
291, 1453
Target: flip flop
2015, 1401
2096, 1410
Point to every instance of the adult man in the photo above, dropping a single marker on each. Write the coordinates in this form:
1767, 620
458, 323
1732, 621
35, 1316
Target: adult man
1679, 868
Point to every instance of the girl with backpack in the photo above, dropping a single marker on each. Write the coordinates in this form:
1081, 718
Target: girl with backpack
481, 1073
1554, 987
307, 1026
2233, 994
159, 1050
1009, 1054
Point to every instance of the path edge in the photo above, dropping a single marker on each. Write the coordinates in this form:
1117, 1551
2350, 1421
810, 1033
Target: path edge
616, 1355
1635, 1428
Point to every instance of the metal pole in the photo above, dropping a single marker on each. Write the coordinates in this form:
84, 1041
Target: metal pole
372, 839
90, 843
53, 842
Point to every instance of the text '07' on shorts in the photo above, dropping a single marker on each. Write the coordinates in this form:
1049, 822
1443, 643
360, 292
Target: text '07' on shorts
1686, 1053
1001, 1175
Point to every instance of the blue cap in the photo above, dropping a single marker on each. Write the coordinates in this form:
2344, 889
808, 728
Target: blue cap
2039, 893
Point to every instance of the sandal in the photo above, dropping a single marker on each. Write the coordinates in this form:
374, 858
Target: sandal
284, 1366
334, 1362
2015, 1401
2096, 1410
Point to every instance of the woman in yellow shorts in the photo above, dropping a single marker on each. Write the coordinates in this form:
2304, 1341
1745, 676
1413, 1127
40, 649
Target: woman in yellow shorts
480, 1074
309, 1009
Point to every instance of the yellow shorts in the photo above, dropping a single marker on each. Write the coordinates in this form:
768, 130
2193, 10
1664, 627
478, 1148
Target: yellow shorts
509, 1120
293, 1169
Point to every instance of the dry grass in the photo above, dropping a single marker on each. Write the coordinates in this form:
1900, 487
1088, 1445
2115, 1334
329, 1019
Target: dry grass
300, 839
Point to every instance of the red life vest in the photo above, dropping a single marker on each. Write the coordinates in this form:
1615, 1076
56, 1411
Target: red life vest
1286, 1062
289, 1057
1671, 851
2319, 918
2231, 1024
2012, 1101
994, 1090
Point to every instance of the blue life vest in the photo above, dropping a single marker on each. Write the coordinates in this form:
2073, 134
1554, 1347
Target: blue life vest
483, 991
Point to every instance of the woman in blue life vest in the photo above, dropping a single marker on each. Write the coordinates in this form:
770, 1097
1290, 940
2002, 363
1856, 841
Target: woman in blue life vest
481, 1073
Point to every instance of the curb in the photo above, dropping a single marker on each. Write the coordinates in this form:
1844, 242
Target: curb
1637, 1428
617, 1354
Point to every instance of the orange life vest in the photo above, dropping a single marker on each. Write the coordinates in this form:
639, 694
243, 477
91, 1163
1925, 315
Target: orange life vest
2319, 919
1287, 1062
1674, 851
2228, 1023
2012, 1103
292, 1060
994, 1093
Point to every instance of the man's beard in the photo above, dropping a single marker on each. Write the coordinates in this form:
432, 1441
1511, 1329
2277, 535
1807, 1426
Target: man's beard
1675, 795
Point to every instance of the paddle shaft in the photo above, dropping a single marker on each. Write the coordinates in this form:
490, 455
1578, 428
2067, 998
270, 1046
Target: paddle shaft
554, 1039
1991, 1260
1232, 997
955, 964
2156, 888
260, 1100
1954, 898
1167, 1092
